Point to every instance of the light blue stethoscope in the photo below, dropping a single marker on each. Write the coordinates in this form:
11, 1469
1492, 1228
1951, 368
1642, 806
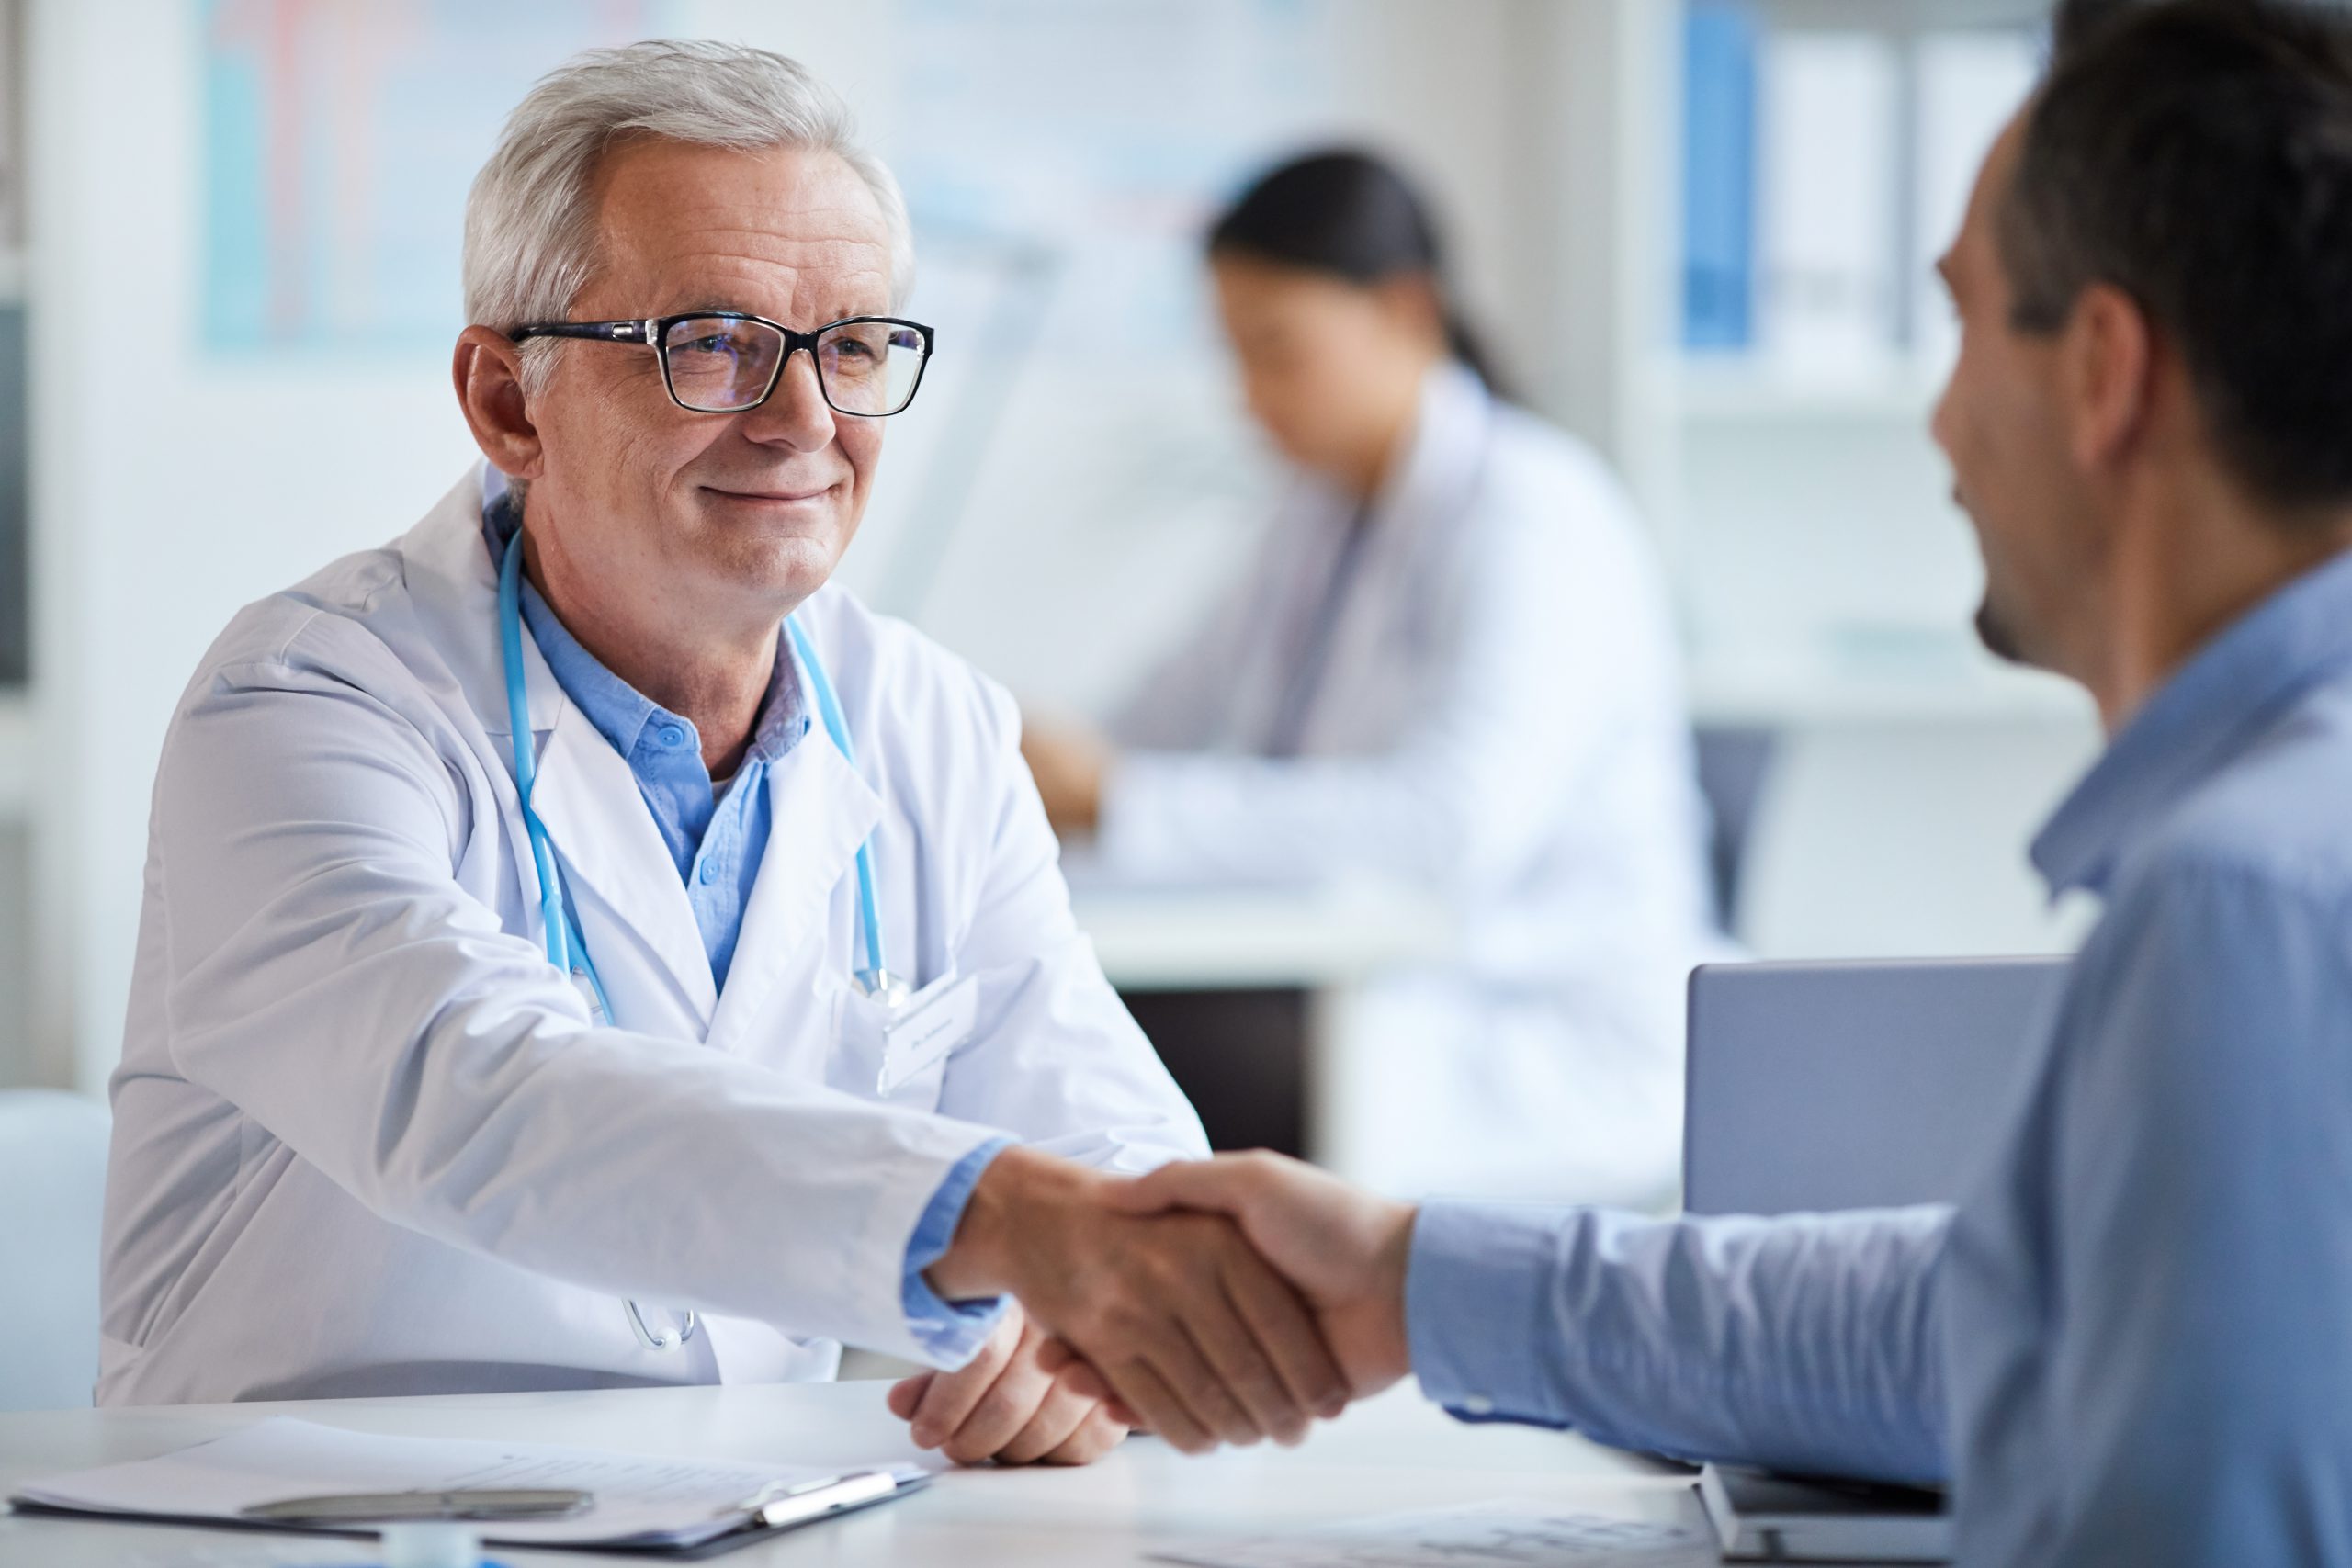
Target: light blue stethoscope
566, 949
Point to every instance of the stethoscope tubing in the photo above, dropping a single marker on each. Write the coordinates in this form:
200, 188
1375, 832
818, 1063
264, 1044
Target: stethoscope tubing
566, 949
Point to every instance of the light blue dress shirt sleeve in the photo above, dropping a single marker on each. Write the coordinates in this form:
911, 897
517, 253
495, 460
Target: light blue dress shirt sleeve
953, 1332
2199, 1379
1808, 1343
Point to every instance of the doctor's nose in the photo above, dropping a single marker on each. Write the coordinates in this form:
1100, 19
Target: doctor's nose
795, 415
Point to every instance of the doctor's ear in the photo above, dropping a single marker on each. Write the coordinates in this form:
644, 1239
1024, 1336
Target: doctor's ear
488, 370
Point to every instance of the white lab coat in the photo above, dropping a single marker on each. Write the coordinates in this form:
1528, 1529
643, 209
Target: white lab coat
1500, 723
366, 1138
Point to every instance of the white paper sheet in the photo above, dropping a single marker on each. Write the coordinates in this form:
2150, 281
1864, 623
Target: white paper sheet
245, 1551
1509, 1533
640, 1499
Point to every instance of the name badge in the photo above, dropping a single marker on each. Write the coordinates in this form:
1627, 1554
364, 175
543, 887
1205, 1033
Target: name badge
934, 1022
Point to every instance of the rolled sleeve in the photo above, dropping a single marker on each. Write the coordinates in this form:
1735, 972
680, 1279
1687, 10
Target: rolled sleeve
951, 1333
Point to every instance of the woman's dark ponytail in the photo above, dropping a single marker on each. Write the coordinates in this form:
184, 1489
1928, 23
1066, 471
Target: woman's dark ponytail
1471, 349
1351, 214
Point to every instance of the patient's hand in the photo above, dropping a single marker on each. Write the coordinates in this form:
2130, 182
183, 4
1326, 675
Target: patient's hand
1015, 1404
1344, 1250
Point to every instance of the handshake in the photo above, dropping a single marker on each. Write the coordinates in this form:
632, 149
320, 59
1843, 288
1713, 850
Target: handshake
1219, 1302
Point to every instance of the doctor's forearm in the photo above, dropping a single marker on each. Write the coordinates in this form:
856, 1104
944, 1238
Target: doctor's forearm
1020, 1183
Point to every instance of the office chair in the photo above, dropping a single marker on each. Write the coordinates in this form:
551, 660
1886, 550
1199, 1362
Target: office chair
1734, 764
52, 1187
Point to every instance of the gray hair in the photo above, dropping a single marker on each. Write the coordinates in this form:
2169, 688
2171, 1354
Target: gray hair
531, 219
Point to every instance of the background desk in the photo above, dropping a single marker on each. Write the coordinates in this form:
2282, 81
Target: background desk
1252, 994
1395, 1453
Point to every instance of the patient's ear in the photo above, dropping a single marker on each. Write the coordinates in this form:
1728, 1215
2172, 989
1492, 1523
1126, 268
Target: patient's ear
2109, 363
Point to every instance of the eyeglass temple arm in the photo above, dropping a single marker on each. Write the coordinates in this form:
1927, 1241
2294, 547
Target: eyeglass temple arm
604, 332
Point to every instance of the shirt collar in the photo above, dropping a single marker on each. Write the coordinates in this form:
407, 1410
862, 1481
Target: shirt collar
619, 711
2197, 722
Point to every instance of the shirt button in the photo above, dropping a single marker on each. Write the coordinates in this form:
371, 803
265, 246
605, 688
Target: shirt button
673, 735
709, 871
1478, 1405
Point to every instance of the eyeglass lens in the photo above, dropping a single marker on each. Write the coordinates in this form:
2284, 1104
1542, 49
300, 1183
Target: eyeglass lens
720, 364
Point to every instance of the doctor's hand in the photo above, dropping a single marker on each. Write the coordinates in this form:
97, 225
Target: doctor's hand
1345, 1250
1070, 761
1182, 1323
1017, 1403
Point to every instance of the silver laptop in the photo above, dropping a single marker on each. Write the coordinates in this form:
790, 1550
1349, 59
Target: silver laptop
1847, 1086
1855, 1085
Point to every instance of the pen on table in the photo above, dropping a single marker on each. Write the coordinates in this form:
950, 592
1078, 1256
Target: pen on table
491, 1504
782, 1502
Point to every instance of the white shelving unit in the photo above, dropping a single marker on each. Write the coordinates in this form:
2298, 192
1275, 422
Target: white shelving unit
16, 760
1824, 574
1808, 690
1729, 392
1826, 583
21, 803
16, 900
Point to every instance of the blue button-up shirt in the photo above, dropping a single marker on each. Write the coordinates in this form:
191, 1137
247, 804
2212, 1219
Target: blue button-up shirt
718, 843
2132, 1344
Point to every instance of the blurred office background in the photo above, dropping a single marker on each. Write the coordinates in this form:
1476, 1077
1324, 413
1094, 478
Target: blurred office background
1699, 235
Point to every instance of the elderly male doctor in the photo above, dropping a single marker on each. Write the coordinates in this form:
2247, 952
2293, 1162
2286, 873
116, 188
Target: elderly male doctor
535, 991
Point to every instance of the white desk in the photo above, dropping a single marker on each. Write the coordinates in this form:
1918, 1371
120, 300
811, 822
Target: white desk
1392, 1454
1326, 941
1178, 939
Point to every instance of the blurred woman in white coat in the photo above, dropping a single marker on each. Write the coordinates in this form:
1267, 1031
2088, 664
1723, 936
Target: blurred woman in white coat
1450, 663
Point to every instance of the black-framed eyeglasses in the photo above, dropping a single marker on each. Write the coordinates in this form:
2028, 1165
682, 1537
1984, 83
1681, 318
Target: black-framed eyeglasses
726, 361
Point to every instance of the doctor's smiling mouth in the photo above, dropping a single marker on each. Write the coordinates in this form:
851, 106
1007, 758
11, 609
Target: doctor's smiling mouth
781, 498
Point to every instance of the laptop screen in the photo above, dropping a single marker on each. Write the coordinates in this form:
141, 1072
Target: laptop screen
1818, 1086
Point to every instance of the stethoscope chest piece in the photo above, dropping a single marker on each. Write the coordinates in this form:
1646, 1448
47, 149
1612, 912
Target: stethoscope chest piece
883, 989
669, 1339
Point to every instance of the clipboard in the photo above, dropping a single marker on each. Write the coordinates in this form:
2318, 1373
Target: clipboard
672, 1508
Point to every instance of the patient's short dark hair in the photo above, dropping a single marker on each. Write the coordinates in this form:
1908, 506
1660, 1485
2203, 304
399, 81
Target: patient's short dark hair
2197, 154
2074, 23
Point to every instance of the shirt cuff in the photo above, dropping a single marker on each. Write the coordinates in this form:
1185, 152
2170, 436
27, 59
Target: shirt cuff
1477, 1287
952, 1333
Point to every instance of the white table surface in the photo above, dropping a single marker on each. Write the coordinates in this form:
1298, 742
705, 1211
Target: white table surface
1392, 1454
1204, 938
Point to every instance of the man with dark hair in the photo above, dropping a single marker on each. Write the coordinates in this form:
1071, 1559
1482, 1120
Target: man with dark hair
2132, 1343
2072, 22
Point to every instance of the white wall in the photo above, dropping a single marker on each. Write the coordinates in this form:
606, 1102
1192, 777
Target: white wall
1895, 839
171, 488
168, 491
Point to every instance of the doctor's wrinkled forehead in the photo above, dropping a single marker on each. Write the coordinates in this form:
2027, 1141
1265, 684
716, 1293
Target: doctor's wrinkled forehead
531, 219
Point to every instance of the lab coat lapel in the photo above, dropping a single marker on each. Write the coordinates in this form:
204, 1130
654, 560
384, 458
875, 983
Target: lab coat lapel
821, 810
1442, 479
1434, 492
453, 592
1289, 574
609, 845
